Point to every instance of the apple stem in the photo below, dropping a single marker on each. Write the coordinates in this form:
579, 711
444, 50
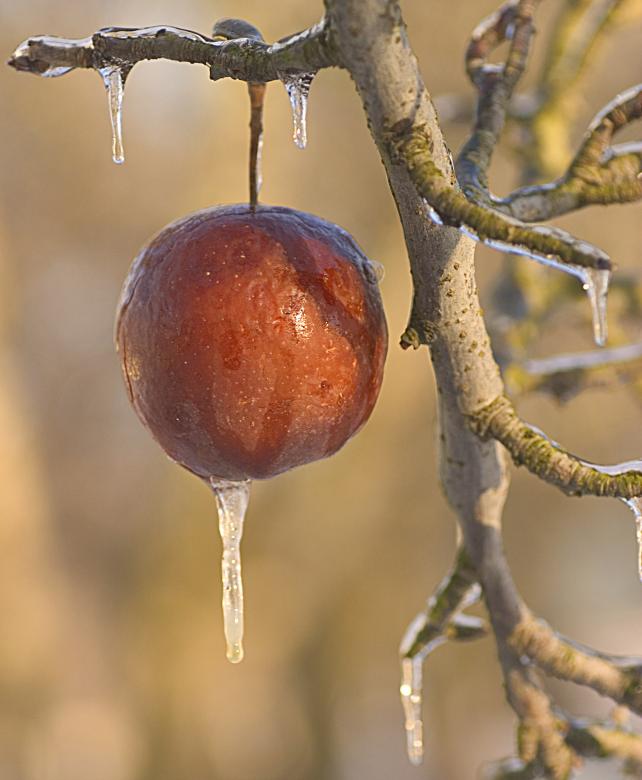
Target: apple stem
257, 96
232, 499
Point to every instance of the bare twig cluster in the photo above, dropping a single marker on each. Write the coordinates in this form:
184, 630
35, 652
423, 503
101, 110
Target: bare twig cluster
444, 209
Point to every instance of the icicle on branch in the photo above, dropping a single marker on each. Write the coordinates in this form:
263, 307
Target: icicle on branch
442, 620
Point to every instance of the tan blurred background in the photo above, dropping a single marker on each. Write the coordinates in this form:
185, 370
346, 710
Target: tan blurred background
112, 663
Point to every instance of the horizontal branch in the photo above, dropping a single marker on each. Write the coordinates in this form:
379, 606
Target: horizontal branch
251, 59
564, 376
546, 459
618, 678
245, 58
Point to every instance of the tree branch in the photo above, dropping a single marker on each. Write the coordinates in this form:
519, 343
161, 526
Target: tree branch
458, 590
495, 85
600, 174
565, 376
245, 58
546, 459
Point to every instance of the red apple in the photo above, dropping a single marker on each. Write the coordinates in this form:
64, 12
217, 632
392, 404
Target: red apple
251, 342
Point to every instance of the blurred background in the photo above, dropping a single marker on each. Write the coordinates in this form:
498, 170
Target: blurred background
112, 662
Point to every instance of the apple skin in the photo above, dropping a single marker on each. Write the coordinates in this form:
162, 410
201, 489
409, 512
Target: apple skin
251, 342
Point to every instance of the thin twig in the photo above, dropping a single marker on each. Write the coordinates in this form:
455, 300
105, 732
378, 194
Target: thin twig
565, 376
549, 461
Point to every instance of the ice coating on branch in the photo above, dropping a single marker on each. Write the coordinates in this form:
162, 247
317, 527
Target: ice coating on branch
595, 281
153, 32
231, 500
114, 84
24, 52
297, 85
618, 100
583, 360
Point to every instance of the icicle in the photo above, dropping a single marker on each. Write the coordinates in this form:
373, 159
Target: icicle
298, 88
635, 504
596, 284
594, 281
411, 701
232, 500
114, 84
411, 688
374, 271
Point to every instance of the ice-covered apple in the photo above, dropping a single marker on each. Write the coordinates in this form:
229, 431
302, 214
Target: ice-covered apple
252, 341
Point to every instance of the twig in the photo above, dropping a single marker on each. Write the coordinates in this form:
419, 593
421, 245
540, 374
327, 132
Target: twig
244, 58
549, 461
457, 590
600, 174
495, 85
412, 147
564, 376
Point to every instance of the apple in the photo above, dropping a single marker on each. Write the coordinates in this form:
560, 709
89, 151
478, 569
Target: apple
252, 341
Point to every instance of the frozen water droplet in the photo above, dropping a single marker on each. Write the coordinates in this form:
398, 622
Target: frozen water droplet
114, 84
596, 284
635, 504
374, 271
298, 88
595, 280
411, 701
232, 500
